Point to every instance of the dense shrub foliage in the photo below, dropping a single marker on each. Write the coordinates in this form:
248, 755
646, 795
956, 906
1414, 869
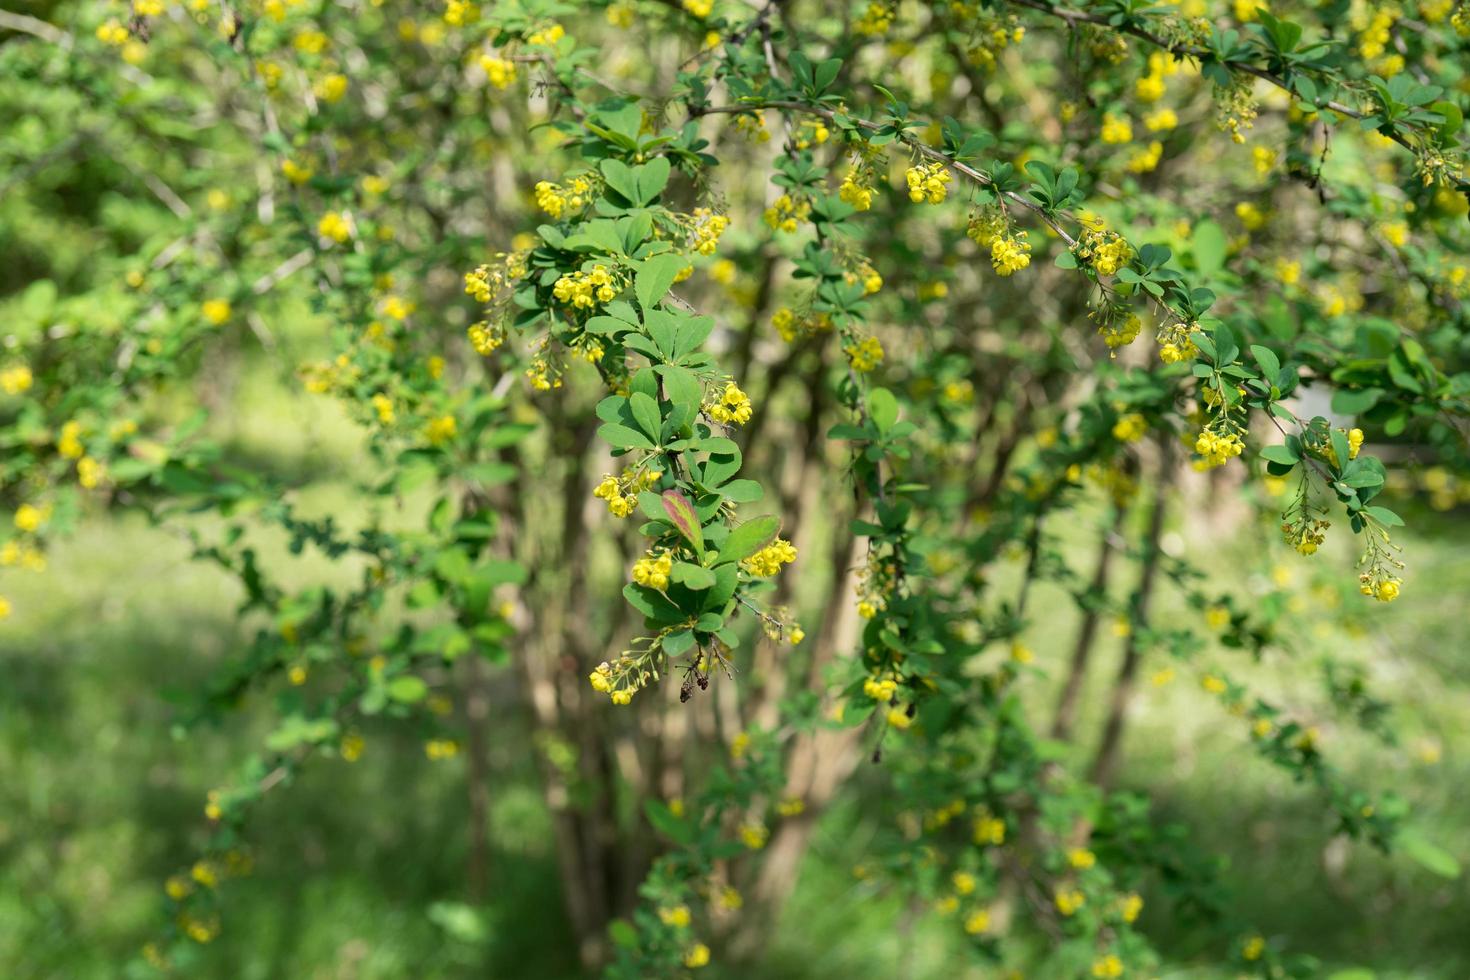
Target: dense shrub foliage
734, 375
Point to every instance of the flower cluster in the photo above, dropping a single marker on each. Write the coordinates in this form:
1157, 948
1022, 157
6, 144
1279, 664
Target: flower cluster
1010, 253
705, 230
1217, 448
990, 34
1305, 533
621, 493
652, 570
927, 182
753, 125
499, 72
618, 681
1176, 342
768, 560
584, 290
877, 18
864, 355
792, 325
485, 339
786, 213
732, 408
1106, 251
857, 183
556, 200
881, 689
1118, 325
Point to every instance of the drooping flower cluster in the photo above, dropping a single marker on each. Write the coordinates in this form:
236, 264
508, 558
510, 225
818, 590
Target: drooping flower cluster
732, 408
786, 213
768, 560
652, 570
485, 338
864, 355
1106, 251
499, 72
1118, 325
792, 325
855, 189
705, 230
556, 200
1010, 253
1217, 448
877, 18
927, 182
621, 493
989, 34
1176, 342
584, 290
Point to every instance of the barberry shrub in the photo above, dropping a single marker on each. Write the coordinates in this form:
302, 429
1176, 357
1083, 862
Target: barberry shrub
743, 384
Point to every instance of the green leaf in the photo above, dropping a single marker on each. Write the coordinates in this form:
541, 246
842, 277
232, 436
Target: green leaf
749, 538
692, 576
645, 411
651, 177
653, 279
882, 408
407, 688
619, 177
1267, 359
684, 392
1280, 454
622, 437
1427, 853
1384, 516
1209, 247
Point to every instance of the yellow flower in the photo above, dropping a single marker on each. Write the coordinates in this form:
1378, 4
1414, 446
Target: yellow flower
29, 518
1253, 948
216, 311
899, 718
334, 227
1213, 684
652, 571
5, 607
964, 882
500, 72
1069, 900
16, 379
295, 172
977, 922
1131, 906
1116, 129
864, 355
1130, 428
1081, 858
1010, 253
1160, 119
1107, 967
989, 830
351, 747
69, 443
441, 429
733, 408
331, 88
698, 954
754, 835
676, 916
768, 560
880, 690
927, 182
204, 873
